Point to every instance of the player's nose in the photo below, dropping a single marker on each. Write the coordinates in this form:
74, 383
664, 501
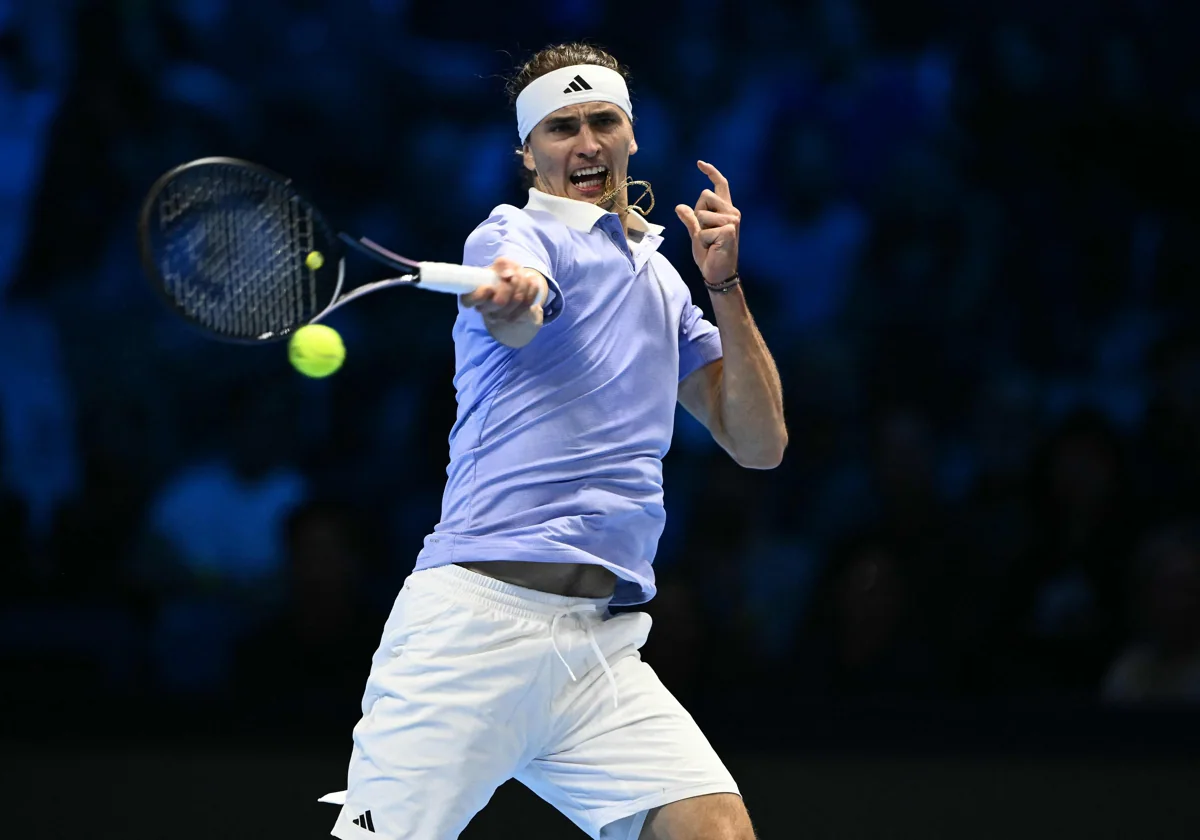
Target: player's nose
587, 145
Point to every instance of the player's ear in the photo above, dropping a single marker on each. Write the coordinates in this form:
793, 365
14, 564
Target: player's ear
633, 146
527, 158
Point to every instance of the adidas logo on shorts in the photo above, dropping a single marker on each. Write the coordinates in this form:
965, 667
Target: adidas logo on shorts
365, 822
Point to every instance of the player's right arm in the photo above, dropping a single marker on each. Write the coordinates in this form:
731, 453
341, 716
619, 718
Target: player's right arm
511, 310
526, 256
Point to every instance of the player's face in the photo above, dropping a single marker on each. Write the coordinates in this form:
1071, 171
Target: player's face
566, 148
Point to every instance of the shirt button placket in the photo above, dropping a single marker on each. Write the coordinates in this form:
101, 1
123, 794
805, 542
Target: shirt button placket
617, 234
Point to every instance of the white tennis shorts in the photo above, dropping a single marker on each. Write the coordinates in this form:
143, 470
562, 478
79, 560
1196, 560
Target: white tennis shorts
477, 681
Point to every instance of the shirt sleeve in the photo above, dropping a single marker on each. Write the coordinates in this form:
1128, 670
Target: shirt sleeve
510, 232
699, 340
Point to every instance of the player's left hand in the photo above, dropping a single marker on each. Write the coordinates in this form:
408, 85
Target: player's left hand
713, 225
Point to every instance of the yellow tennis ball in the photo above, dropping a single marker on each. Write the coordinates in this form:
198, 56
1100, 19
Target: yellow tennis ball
314, 260
316, 350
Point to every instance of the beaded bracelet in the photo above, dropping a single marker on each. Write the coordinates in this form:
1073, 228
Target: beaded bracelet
725, 285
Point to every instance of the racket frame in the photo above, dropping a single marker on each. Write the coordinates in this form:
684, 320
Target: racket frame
361, 245
154, 275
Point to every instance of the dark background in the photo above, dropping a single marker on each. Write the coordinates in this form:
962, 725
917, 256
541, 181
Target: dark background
968, 602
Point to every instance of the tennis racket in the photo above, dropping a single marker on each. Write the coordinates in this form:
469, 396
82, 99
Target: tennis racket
238, 251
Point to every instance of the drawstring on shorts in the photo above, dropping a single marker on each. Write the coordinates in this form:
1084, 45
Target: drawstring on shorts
591, 637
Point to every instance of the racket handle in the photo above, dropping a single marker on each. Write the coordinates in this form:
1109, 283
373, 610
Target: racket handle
454, 279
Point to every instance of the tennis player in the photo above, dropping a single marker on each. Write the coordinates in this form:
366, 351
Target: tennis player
500, 658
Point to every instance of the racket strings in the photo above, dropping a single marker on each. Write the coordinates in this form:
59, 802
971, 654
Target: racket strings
233, 249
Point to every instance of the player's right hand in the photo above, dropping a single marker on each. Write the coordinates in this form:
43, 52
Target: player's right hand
517, 296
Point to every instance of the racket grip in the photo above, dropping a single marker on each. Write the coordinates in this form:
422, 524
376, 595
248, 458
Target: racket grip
453, 278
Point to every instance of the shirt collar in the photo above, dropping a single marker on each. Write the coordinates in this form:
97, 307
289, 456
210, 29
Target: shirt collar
581, 215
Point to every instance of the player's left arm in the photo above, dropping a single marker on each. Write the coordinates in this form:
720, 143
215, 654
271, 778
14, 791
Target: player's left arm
739, 397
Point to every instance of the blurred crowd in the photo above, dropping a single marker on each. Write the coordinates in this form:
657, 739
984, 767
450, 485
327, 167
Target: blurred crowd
969, 239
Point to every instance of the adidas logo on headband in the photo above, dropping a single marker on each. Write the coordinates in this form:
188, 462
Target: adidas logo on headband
577, 85
567, 86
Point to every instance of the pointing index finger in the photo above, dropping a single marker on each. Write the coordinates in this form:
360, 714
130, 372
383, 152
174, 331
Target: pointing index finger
720, 183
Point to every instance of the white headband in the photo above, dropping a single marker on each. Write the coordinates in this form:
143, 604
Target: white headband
566, 86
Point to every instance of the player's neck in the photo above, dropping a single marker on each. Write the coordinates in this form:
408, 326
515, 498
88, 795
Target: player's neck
621, 208
620, 202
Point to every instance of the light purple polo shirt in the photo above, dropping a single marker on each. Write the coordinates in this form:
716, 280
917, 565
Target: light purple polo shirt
556, 455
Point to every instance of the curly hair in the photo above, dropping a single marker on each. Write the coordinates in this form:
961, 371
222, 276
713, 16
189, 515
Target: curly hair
556, 57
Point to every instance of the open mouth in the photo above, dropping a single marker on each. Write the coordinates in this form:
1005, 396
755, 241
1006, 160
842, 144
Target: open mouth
590, 181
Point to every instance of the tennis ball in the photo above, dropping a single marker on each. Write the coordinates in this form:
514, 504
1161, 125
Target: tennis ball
314, 260
316, 350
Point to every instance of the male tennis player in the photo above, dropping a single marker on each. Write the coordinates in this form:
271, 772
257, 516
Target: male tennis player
500, 658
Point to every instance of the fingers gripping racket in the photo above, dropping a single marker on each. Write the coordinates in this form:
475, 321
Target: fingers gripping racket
239, 252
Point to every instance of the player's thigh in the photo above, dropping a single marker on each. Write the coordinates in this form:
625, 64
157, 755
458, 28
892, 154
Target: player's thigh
618, 760
443, 721
421, 769
716, 816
